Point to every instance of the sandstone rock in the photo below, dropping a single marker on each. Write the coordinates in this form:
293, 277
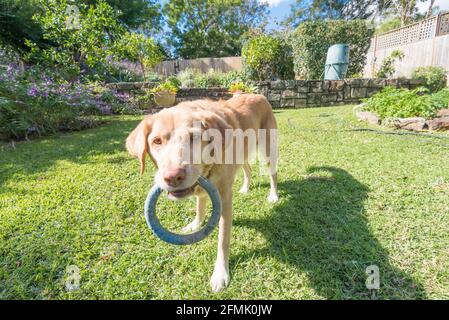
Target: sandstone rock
368, 116
358, 92
413, 124
438, 124
443, 113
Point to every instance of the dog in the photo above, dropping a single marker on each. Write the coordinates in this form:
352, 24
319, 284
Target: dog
167, 137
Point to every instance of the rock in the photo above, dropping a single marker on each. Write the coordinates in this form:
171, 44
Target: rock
358, 92
443, 113
413, 124
368, 116
438, 124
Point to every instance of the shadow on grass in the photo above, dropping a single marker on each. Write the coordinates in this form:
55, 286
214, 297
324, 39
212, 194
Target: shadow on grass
39, 155
320, 228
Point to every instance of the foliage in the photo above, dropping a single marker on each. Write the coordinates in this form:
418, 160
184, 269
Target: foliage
84, 43
404, 103
174, 81
166, 86
143, 15
388, 25
311, 40
304, 10
240, 87
435, 77
30, 105
387, 68
405, 10
211, 28
191, 78
136, 47
17, 24
267, 58
39, 101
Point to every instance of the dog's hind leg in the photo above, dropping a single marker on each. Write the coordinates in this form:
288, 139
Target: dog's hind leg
199, 218
271, 155
246, 178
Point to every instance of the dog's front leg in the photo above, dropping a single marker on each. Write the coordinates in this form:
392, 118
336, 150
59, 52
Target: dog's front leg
220, 277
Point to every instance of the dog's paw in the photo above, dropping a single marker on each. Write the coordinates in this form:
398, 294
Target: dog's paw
244, 189
192, 226
273, 198
219, 279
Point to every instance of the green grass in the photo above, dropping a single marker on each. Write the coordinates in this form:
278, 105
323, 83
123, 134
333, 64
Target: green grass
348, 199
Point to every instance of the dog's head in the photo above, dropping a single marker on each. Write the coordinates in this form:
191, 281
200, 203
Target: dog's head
180, 141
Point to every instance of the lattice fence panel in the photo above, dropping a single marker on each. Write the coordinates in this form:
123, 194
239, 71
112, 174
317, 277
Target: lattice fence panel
415, 32
443, 25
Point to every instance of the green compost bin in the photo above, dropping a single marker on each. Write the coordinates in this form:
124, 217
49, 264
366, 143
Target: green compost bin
337, 62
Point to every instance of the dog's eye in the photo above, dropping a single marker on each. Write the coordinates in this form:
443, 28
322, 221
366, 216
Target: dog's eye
157, 141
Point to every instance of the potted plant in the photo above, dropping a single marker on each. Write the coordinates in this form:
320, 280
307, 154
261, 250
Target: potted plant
237, 88
165, 93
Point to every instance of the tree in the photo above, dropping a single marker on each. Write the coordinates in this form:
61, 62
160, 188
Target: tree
81, 43
136, 14
17, 24
406, 10
304, 10
211, 28
267, 58
137, 47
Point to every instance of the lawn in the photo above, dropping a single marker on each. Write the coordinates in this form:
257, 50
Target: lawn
349, 198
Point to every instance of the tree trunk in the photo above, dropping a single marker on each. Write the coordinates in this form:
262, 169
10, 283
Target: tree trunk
430, 10
142, 67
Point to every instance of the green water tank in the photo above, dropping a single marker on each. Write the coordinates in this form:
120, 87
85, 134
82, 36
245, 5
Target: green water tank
337, 62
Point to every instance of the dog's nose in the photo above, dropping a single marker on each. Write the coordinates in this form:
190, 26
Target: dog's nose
174, 177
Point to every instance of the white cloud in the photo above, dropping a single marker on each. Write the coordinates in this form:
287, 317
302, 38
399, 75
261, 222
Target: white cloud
272, 3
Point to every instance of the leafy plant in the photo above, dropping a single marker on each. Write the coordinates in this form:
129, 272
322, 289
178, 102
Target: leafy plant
404, 103
435, 77
387, 68
166, 86
311, 40
138, 48
191, 78
267, 58
240, 86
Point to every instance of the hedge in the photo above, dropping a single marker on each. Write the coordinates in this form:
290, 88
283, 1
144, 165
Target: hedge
311, 40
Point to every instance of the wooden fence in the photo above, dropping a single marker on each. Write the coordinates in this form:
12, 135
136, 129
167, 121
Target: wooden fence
226, 64
424, 43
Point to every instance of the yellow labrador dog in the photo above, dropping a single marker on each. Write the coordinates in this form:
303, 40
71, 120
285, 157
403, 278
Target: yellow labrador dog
212, 139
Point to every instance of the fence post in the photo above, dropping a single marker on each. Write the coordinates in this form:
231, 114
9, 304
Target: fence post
373, 67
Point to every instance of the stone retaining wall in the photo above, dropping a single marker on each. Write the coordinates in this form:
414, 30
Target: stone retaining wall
292, 93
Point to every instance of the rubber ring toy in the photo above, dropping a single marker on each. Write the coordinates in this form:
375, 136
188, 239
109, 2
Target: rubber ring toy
182, 239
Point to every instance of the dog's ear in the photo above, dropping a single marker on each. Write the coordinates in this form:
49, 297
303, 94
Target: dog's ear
137, 141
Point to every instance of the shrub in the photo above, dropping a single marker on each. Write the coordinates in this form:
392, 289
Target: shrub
167, 85
404, 103
389, 25
435, 77
267, 58
191, 78
242, 87
387, 68
311, 40
36, 101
